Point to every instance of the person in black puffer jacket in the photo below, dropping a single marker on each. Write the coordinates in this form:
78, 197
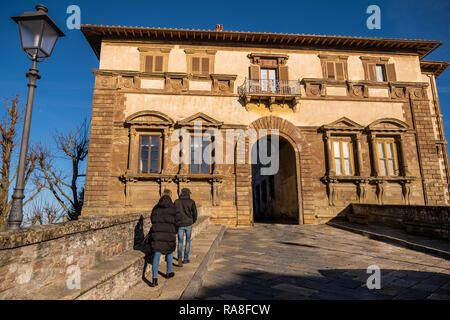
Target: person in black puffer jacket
188, 216
165, 221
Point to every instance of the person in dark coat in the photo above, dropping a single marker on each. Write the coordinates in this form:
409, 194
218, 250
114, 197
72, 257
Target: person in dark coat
188, 216
165, 221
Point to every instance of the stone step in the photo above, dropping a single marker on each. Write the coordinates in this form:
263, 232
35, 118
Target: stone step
188, 278
106, 281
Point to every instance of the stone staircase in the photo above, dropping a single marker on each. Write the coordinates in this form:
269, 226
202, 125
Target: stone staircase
188, 278
121, 275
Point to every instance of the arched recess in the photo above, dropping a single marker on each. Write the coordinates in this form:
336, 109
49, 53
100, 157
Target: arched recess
388, 124
302, 162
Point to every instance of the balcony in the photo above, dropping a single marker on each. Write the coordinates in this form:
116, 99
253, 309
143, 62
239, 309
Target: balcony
271, 92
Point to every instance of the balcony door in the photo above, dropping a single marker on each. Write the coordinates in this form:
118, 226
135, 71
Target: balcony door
268, 80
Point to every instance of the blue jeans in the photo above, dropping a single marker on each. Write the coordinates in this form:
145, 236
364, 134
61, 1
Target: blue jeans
155, 264
181, 232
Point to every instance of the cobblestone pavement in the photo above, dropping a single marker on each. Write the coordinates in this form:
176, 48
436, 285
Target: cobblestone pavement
272, 261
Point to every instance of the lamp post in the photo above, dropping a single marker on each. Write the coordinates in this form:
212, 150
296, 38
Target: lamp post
38, 35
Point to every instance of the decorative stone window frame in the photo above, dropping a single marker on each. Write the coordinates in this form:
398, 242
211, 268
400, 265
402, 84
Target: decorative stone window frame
395, 129
200, 53
325, 58
162, 125
287, 91
153, 51
214, 178
259, 59
388, 128
189, 124
367, 60
340, 128
349, 129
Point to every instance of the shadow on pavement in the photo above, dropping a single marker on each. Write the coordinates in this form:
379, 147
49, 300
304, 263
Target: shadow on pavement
331, 284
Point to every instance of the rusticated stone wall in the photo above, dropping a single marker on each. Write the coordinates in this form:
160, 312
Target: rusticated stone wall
40, 255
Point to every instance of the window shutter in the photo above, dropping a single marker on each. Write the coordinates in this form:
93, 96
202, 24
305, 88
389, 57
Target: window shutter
205, 65
371, 72
340, 71
148, 64
283, 73
158, 64
330, 70
390, 72
195, 65
283, 76
254, 73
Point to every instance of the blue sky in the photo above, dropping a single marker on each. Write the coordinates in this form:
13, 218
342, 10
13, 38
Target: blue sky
64, 93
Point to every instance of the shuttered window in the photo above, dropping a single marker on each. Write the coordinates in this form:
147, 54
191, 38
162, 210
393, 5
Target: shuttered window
149, 64
390, 72
158, 63
205, 65
200, 65
381, 72
195, 65
330, 70
153, 64
335, 70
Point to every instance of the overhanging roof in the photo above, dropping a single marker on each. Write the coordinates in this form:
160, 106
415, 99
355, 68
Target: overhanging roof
434, 67
95, 34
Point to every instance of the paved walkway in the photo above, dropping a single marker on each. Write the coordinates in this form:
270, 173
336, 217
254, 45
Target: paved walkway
437, 247
271, 261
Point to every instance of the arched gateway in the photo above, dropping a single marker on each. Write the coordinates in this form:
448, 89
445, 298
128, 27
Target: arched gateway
296, 151
274, 185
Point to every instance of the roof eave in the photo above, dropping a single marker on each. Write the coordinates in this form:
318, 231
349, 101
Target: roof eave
95, 35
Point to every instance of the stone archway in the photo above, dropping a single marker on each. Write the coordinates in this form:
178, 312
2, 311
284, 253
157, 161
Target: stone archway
275, 193
303, 158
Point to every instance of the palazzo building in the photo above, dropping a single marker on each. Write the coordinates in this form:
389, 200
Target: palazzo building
358, 120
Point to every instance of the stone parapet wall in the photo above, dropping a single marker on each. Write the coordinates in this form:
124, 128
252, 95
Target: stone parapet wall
40, 255
432, 221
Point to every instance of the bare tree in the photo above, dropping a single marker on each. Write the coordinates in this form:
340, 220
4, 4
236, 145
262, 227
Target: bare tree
43, 212
73, 145
8, 126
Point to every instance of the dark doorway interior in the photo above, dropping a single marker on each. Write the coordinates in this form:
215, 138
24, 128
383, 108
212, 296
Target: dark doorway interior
275, 197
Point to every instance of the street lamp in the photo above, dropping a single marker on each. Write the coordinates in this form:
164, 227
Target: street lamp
38, 35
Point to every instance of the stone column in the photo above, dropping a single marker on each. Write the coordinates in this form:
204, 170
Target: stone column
359, 162
184, 167
330, 167
133, 152
165, 151
373, 145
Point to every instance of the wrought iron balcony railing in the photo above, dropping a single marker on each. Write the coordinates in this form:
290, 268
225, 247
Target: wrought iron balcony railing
269, 87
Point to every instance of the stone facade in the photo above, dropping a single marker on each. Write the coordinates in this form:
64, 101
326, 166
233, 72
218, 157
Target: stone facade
156, 81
